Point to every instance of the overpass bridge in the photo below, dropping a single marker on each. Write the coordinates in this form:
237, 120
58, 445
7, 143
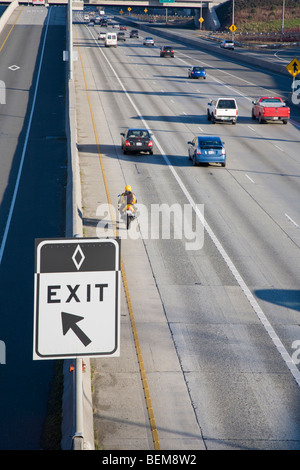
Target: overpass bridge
201, 8
154, 3
131, 3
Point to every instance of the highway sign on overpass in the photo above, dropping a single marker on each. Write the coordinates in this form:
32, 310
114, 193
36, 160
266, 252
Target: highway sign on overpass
77, 284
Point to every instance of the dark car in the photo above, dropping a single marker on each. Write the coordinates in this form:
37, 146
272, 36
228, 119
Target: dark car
121, 36
196, 72
166, 51
134, 33
136, 140
207, 149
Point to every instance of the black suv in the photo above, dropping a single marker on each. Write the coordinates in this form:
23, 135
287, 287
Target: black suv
167, 51
134, 33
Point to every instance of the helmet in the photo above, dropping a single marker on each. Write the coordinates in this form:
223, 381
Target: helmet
127, 188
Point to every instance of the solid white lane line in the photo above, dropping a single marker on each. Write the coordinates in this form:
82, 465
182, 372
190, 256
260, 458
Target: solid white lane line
14, 197
256, 308
280, 58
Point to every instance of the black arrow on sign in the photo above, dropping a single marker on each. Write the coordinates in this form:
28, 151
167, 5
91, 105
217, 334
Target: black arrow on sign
295, 65
69, 321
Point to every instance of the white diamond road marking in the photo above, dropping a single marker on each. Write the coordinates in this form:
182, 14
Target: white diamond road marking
13, 67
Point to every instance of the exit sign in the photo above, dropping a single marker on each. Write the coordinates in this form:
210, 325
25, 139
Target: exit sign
77, 284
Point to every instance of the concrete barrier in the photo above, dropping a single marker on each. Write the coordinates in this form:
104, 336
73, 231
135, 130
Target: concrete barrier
6, 15
74, 228
71, 438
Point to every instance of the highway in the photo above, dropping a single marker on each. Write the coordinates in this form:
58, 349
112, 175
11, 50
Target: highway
231, 303
216, 299
276, 55
32, 197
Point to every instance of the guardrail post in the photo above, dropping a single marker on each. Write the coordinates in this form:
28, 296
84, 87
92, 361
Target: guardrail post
78, 436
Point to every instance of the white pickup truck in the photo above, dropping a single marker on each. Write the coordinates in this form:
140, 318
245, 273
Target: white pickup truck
222, 109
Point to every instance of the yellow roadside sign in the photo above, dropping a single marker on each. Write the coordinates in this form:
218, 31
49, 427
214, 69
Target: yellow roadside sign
201, 19
232, 28
293, 67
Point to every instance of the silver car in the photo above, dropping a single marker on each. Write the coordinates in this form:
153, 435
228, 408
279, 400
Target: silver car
227, 44
148, 42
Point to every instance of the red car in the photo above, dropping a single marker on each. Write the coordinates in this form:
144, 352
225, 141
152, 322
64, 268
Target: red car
123, 28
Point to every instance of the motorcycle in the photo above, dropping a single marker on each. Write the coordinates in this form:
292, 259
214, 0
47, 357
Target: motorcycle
127, 211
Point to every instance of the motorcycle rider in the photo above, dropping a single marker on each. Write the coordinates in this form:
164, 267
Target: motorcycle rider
128, 197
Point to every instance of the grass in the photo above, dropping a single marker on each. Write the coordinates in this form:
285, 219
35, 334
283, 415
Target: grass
260, 16
272, 26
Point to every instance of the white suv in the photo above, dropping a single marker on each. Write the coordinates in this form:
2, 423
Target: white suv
227, 44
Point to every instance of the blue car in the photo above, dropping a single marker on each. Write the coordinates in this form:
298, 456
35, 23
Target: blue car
207, 149
196, 72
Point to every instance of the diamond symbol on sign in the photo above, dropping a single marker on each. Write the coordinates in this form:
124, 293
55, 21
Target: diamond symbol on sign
13, 67
78, 257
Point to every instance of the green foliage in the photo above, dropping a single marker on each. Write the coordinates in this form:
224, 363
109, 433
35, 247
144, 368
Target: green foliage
259, 15
270, 27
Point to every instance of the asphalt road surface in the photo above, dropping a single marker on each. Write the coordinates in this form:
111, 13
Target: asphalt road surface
275, 54
228, 293
230, 298
32, 205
